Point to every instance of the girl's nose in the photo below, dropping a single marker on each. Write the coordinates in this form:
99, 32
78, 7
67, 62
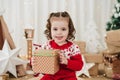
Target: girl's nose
58, 32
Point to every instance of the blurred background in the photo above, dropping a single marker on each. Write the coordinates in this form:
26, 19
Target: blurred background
33, 14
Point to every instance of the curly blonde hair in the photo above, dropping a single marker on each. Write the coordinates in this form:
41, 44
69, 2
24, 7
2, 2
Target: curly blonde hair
65, 14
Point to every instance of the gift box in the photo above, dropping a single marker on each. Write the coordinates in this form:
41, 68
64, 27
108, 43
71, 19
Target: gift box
94, 70
93, 58
81, 45
46, 61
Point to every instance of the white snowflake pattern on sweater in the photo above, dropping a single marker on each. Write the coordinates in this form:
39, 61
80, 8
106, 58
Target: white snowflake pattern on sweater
71, 51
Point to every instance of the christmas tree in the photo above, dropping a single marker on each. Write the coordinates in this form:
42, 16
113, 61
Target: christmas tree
114, 23
93, 39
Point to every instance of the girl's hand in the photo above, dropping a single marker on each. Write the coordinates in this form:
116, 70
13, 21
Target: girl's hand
63, 59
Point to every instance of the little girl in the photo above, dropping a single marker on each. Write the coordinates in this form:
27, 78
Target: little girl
60, 33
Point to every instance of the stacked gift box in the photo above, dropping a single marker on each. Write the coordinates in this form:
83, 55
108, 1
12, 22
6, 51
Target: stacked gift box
94, 58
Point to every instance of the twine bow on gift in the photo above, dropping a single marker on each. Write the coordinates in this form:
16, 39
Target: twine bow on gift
43, 52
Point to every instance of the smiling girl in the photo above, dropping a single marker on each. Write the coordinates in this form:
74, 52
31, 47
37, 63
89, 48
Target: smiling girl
60, 33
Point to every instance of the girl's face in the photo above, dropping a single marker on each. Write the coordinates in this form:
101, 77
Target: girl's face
59, 31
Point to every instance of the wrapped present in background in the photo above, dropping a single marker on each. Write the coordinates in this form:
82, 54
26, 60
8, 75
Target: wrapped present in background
90, 58
81, 45
46, 61
113, 40
94, 70
96, 58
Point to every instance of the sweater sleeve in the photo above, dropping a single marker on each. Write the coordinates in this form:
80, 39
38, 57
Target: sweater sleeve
75, 62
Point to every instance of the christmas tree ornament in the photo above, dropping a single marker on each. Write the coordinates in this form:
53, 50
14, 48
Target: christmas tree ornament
9, 59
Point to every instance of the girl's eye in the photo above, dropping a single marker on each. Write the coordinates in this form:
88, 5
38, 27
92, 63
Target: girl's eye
63, 29
55, 29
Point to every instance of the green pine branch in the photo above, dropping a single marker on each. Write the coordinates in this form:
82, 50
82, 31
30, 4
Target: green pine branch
114, 23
